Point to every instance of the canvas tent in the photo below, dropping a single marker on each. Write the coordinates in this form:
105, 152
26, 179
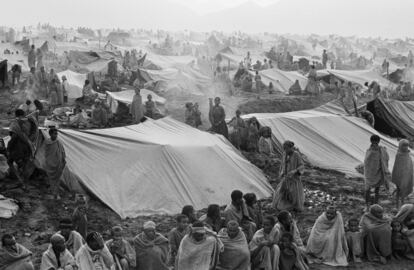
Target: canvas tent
329, 141
282, 80
127, 96
93, 61
157, 167
76, 82
393, 117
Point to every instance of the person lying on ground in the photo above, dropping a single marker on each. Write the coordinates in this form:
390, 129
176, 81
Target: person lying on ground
199, 249
327, 241
122, 252
176, 235
236, 254
213, 219
94, 254
73, 240
14, 256
57, 257
151, 249
353, 239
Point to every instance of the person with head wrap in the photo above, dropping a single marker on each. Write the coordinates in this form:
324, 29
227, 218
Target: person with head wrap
14, 256
376, 234
406, 217
289, 194
137, 109
199, 249
94, 254
151, 249
327, 241
123, 253
402, 173
57, 257
236, 254
74, 241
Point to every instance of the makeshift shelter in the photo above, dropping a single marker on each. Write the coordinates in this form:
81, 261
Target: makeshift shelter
76, 82
157, 167
392, 117
93, 61
282, 80
126, 97
328, 141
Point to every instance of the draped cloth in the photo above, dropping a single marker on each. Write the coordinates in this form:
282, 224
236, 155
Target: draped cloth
151, 254
49, 260
268, 257
240, 215
87, 259
202, 255
74, 242
376, 166
327, 241
174, 239
125, 250
376, 236
236, 254
279, 229
137, 109
55, 160
402, 173
405, 215
15, 260
289, 193
218, 121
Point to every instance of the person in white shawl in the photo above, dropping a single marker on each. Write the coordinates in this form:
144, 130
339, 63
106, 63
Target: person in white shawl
94, 254
74, 240
327, 241
57, 257
137, 109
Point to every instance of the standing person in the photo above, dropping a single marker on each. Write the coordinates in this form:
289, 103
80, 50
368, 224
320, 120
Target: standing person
198, 249
402, 173
79, 217
375, 169
324, 59
197, 115
39, 56
150, 107
53, 94
65, 89
31, 58
253, 134
16, 72
137, 110
74, 241
258, 80
122, 252
236, 253
94, 254
57, 256
14, 256
239, 126
189, 114
151, 249
218, 117
289, 194
176, 235
55, 161
312, 87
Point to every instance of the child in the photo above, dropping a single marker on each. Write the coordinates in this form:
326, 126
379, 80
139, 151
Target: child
149, 107
399, 241
79, 217
176, 235
353, 238
197, 115
290, 256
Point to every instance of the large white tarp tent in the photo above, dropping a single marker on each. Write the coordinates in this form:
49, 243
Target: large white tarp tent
75, 81
157, 167
329, 141
282, 80
127, 96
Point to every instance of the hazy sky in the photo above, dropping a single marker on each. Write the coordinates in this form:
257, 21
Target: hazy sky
207, 6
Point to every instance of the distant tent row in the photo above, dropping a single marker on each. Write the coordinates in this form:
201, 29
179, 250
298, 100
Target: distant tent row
156, 167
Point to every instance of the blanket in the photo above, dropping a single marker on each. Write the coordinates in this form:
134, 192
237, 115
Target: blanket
55, 159
376, 236
14, 259
198, 255
49, 259
87, 259
268, 257
151, 254
376, 166
402, 173
125, 250
327, 241
74, 242
236, 254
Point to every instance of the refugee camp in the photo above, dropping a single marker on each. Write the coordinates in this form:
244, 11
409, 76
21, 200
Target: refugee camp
206, 135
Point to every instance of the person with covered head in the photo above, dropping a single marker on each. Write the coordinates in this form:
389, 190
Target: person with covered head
290, 256
151, 249
375, 169
218, 119
376, 234
57, 257
199, 249
14, 256
137, 109
263, 247
73, 240
327, 241
122, 252
237, 211
287, 224
55, 161
406, 217
94, 254
289, 194
402, 172
236, 254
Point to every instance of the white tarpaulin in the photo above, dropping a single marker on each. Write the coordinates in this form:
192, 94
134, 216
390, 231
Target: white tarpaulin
127, 97
76, 82
157, 167
328, 141
8, 207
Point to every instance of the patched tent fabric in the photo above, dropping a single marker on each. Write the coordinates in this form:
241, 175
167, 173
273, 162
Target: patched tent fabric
76, 82
328, 141
157, 167
282, 80
127, 96
393, 117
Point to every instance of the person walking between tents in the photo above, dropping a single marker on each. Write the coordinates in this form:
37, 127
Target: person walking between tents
137, 110
375, 169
